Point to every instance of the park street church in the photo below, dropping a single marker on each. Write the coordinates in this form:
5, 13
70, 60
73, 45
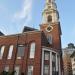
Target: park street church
34, 52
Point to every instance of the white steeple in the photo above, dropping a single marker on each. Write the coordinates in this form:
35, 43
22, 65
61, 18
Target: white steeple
50, 13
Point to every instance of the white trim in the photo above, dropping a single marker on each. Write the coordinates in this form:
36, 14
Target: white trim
56, 63
42, 62
49, 30
17, 70
10, 52
32, 50
51, 50
58, 67
2, 51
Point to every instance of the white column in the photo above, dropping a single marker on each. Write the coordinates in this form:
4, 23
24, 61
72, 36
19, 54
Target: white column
56, 63
42, 62
50, 63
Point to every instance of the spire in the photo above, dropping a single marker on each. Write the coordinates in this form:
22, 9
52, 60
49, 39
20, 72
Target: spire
50, 13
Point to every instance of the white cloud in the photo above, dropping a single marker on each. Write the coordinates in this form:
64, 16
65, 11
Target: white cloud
25, 12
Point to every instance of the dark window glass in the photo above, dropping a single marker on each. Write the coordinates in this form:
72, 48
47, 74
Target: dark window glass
53, 64
49, 1
49, 38
49, 18
20, 52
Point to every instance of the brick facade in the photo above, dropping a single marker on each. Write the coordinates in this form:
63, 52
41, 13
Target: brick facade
26, 39
49, 41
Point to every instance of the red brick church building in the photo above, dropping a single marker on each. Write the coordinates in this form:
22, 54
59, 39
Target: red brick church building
34, 52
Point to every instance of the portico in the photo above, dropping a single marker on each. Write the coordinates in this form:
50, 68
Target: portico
54, 62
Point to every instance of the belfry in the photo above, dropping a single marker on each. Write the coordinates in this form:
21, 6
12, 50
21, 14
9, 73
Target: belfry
50, 13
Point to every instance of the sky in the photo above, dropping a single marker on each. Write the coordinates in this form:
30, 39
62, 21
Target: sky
15, 14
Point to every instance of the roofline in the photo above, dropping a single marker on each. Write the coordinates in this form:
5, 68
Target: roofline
36, 31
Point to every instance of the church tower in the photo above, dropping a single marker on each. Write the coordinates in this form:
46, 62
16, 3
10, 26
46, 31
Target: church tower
51, 25
52, 30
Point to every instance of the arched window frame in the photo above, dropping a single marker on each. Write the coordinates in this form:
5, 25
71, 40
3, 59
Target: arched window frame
49, 18
49, 38
32, 50
21, 51
2, 51
10, 52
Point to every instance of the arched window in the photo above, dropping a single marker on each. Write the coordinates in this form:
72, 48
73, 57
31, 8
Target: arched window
49, 1
21, 50
30, 70
17, 70
1, 51
32, 50
49, 19
10, 51
49, 38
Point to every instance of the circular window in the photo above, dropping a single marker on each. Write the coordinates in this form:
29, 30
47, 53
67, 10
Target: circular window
49, 28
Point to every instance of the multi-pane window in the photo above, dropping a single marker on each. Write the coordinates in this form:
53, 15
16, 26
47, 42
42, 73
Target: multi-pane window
20, 53
32, 50
30, 70
49, 37
6, 68
46, 55
1, 51
10, 52
46, 69
17, 70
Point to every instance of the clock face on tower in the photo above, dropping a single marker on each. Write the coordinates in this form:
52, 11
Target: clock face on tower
49, 28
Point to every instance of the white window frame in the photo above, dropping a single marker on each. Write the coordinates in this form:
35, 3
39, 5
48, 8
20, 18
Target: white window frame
2, 51
19, 57
10, 51
51, 51
30, 70
17, 70
32, 50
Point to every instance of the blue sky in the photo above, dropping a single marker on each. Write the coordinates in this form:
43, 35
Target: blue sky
15, 14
